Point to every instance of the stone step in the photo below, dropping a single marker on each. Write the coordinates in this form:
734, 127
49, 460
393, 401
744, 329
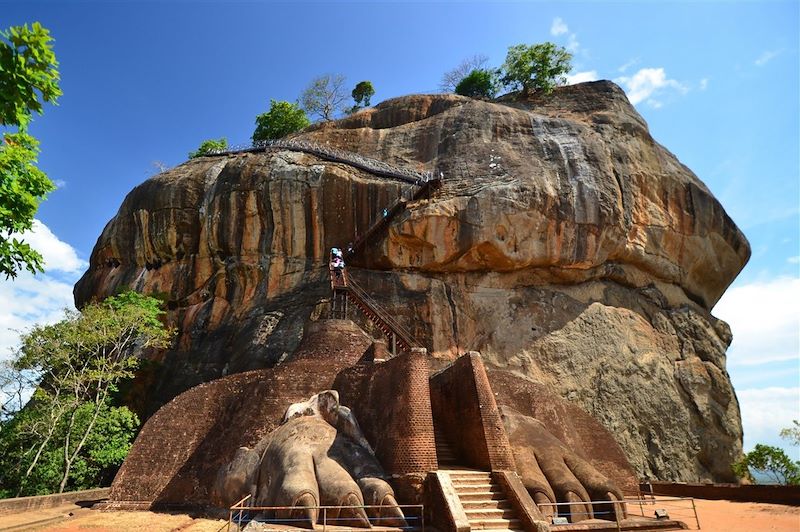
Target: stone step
471, 478
481, 514
487, 504
476, 496
460, 475
502, 530
486, 524
488, 486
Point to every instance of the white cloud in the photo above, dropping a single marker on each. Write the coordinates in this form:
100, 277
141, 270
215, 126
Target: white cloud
793, 260
765, 412
581, 77
572, 43
648, 82
58, 255
627, 65
558, 27
703, 84
37, 299
766, 57
765, 319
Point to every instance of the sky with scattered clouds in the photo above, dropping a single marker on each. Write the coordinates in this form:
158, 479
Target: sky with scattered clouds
145, 83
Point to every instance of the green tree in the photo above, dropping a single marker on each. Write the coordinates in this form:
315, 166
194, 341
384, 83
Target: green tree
453, 77
282, 119
95, 465
362, 94
537, 68
325, 96
28, 78
210, 146
770, 461
478, 84
76, 365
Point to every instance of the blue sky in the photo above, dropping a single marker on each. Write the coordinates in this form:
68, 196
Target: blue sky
718, 83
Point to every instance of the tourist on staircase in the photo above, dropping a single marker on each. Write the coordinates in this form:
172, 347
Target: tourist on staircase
337, 264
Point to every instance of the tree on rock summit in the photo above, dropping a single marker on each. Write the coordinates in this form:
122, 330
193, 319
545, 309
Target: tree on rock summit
324, 96
479, 83
536, 68
282, 119
452, 78
362, 93
209, 147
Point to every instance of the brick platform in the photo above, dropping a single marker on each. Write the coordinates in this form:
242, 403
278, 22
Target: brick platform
180, 449
465, 409
391, 401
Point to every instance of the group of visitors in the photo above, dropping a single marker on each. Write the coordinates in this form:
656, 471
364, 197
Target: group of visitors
337, 262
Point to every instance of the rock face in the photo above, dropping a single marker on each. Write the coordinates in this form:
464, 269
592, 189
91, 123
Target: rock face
566, 246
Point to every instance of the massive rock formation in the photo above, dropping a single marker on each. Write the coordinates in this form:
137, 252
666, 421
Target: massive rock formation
566, 245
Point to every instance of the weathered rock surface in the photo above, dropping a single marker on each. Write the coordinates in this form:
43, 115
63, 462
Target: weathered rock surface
567, 246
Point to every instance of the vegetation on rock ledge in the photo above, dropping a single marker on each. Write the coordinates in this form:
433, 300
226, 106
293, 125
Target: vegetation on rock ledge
282, 119
209, 146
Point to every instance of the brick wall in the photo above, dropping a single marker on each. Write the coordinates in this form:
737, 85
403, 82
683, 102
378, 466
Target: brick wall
178, 452
391, 401
733, 492
465, 410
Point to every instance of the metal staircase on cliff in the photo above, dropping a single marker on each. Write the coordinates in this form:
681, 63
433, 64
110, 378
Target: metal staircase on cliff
377, 229
345, 288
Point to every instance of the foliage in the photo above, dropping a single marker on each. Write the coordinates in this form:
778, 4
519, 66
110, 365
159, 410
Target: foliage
792, 434
325, 96
539, 67
452, 78
770, 461
478, 84
362, 94
76, 365
282, 119
28, 78
28, 73
22, 188
209, 146
95, 465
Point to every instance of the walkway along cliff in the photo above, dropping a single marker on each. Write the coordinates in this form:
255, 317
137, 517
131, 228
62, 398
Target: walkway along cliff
576, 254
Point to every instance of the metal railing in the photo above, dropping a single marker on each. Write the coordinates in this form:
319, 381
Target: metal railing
240, 515
396, 327
678, 508
373, 166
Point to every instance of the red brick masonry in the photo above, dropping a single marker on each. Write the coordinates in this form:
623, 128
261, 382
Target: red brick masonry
391, 402
731, 492
464, 408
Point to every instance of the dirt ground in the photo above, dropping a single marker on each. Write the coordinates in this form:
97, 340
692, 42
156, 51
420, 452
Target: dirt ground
727, 516
87, 520
715, 516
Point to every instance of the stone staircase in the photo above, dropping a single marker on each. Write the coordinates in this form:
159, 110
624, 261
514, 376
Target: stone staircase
444, 451
484, 501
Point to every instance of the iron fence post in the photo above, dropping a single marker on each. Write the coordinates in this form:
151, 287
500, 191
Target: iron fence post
694, 508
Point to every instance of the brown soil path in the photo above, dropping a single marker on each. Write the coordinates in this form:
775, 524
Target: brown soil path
728, 516
715, 516
88, 520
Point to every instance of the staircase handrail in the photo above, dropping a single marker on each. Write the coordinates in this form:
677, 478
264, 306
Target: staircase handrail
397, 207
398, 329
356, 160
